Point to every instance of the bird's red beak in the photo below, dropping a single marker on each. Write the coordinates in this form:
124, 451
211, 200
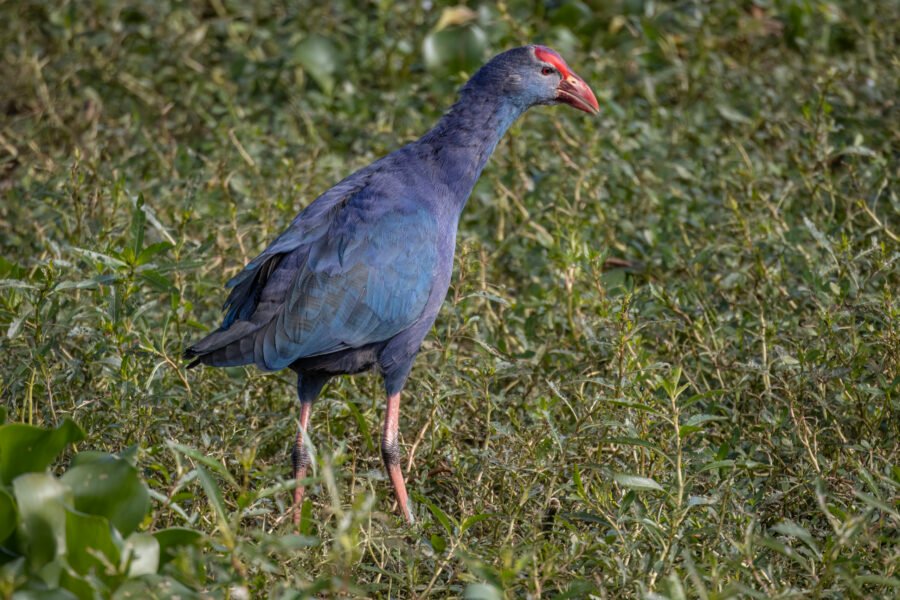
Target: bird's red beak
575, 92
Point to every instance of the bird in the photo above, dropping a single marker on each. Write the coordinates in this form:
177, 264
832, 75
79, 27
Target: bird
357, 279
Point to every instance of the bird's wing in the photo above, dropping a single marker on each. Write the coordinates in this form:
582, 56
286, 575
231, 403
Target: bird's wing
311, 225
365, 281
356, 267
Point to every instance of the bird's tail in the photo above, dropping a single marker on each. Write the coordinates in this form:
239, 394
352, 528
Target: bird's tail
229, 347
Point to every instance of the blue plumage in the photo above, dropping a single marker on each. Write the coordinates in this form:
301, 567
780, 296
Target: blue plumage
357, 279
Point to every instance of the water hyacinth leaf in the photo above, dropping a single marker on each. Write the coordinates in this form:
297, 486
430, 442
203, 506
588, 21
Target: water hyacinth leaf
456, 48
9, 515
42, 520
109, 486
140, 555
572, 13
482, 591
90, 544
636, 482
29, 449
153, 587
173, 538
73, 586
319, 57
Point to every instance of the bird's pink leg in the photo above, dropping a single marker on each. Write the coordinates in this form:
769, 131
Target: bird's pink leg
390, 452
300, 458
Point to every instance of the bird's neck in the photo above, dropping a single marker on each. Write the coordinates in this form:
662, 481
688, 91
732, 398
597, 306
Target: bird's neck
462, 141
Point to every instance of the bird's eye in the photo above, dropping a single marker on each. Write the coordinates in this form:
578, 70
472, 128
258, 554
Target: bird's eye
547, 71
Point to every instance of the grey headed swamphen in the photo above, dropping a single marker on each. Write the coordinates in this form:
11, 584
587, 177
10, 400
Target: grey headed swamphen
358, 278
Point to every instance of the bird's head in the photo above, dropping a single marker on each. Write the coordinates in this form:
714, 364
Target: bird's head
536, 75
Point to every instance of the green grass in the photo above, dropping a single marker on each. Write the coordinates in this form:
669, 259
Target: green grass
717, 418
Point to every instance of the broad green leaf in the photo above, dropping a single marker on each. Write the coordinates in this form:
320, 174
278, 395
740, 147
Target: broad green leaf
140, 555
91, 545
74, 585
109, 486
319, 57
30, 449
154, 587
42, 521
636, 482
455, 49
9, 515
173, 538
571, 13
482, 591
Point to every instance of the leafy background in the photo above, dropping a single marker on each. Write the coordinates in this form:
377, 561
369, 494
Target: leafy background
668, 363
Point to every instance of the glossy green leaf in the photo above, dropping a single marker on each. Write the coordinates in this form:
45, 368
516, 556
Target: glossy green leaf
140, 554
42, 521
29, 449
455, 49
90, 544
319, 57
109, 486
173, 538
153, 587
9, 515
482, 591
73, 585
572, 13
